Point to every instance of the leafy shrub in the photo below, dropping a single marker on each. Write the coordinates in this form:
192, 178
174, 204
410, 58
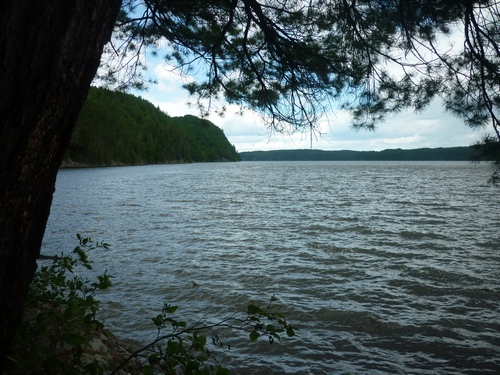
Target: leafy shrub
60, 316
60, 322
184, 348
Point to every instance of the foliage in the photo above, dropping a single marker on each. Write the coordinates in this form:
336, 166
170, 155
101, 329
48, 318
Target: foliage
60, 321
489, 149
184, 348
60, 316
118, 128
293, 60
451, 153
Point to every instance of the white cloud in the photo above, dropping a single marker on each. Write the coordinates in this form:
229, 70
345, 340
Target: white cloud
432, 128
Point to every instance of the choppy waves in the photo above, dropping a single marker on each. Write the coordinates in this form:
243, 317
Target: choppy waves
385, 267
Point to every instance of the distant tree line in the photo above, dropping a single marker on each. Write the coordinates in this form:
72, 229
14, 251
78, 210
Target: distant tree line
451, 153
116, 128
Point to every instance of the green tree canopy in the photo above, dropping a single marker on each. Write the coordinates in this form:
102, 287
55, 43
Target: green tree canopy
119, 128
293, 60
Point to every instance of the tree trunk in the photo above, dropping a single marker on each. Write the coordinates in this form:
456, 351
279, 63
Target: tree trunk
49, 54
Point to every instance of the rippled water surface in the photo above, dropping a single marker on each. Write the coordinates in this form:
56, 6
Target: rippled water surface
384, 267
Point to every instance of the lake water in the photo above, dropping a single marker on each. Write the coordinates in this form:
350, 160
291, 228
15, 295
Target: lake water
386, 267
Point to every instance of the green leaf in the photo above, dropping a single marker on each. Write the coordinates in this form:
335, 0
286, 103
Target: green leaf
154, 359
254, 335
222, 371
158, 320
191, 366
174, 348
74, 339
254, 309
199, 341
148, 370
271, 328
169, 309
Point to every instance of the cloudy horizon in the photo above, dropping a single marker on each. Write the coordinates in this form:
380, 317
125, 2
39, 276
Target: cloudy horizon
432, 128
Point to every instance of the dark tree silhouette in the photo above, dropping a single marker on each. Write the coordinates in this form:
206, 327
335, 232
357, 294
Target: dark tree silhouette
293, 60
49, 51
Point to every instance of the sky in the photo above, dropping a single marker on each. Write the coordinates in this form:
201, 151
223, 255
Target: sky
407, 130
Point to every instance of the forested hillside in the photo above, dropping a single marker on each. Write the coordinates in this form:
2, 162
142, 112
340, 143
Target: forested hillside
450, 153
115, 128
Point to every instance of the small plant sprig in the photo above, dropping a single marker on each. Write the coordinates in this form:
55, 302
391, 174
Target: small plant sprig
60, 321
271, 330
60, 315
185, 349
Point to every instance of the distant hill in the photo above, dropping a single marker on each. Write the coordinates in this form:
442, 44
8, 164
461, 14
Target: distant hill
451, 153
115, 128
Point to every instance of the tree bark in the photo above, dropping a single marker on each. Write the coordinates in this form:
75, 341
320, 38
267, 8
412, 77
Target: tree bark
49, 54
